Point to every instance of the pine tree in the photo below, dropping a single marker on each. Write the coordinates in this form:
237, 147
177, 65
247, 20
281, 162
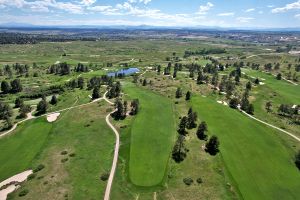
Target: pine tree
212, 146
178, 93
188, 96
96, 93
19, 102
202, 128
53, 100
182, 125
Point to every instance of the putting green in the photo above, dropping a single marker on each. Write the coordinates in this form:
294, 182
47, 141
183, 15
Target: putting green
152, 137
260, 164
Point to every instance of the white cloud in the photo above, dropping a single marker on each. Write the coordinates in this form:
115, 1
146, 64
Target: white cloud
204, 8
139, 1
270, 6
244, 19
250, 10
261, 12
297, 16
88, 2
226, 14
287, 7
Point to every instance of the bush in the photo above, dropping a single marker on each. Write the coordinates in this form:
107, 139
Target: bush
63, 153
188, 181
199, 180
72, 155
23, 192
104, 176
39, 168
64, 160
31, 176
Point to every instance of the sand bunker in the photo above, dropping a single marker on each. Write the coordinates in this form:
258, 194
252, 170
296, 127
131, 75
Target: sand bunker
52, 117
12, 183
223, 102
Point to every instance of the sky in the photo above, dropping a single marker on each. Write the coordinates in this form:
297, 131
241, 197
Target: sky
179, 13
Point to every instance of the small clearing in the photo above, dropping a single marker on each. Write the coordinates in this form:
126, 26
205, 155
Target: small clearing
52, 117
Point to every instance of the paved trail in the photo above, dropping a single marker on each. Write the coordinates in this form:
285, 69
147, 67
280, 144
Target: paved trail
116, 152
288, 133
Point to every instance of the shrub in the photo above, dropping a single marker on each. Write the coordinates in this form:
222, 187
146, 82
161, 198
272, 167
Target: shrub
31, 176
64, 160
63, 153
104, 176
23, 192
199, 180
72, 155
188, 181
39, 168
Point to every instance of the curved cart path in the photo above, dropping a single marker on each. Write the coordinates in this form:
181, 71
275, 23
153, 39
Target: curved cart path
116, 153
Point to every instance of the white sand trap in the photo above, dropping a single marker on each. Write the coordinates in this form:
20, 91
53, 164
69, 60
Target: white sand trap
90, 96
12, 183
52, 117
261, 83
294, 106
223, 102
57, 62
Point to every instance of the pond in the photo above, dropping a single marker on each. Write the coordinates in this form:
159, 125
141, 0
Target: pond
126, 72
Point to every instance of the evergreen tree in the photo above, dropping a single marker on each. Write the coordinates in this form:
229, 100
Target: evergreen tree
212, 146
250, 109
202, 128
53, 100
16, 86
144, 82
182, 125
279, 76
5, 111
5, 87
19, 102
178, 93
248, 85
134, 107
297, 159
233, 103
96, 93
24, 109
188, 96
80, 82
42, 106
119, 113
269, 106
179, 151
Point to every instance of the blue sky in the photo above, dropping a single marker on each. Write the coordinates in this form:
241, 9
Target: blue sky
223, 13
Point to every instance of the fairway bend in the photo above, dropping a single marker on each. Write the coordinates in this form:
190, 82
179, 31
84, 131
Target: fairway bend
288, 133
116, 152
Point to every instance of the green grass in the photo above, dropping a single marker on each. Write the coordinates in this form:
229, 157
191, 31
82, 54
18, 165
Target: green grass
21, 147
152, 137
260, 164
290, 92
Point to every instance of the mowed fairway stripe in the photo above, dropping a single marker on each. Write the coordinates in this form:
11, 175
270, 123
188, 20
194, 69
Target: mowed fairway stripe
152, 137
261, 166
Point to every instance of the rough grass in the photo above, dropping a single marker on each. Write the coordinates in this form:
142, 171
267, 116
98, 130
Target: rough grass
152, 137
260, 164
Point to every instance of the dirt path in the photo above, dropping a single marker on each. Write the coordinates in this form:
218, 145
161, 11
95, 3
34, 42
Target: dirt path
116, 152
288, 133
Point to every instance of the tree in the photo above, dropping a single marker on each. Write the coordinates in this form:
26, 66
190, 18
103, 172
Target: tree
5, 87
80, 82
134, 107
96, 93
212, 146
245, 101
188, 96
24, 109
178, 93
119, 113
16, 86
248, 86
179, 151
297, 159
233, 103
42, 106
250, 109
279, 76
53, 100
19, 102
182, 125
256, 81
201, 131
5, 111
268, 106
191, 119
144, 82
